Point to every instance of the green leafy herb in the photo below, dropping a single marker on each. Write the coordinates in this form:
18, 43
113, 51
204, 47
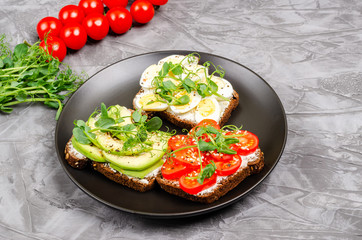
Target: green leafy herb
29, 74
207, 172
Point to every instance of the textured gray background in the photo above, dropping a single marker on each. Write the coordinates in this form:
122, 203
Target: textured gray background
309, 51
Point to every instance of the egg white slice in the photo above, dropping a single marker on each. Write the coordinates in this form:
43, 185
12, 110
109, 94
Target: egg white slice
148, 75
188, 62
148, 101
198, 73
195, 98
225, 88
208, 108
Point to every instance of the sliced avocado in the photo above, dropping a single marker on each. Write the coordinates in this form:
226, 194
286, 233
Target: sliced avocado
91, 152
141, 161
138, 174
112, 144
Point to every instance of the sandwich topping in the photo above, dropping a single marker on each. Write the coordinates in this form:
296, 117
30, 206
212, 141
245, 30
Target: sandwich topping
207, 154
128, 142
180, 85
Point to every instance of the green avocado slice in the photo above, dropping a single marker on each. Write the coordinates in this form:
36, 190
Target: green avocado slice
141, 161
91, 152
138, 174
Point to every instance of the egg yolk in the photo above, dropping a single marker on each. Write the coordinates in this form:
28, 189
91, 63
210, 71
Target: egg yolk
206, 107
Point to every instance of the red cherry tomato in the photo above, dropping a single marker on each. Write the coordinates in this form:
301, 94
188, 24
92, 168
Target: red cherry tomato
192, 186
248, 142
177, 141
142, 11
96, 26
50, 26
115, 3
187, 156
204, 123
71, 13
55, 47
158, 2
229, 167
173, 170
91, 6
74, 35
217, 156
120, 19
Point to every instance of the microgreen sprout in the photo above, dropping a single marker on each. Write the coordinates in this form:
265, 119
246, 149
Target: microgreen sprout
29, 74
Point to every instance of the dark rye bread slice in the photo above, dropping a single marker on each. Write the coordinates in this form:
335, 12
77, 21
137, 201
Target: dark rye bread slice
79, 161
182, 123
141, 185
225, 185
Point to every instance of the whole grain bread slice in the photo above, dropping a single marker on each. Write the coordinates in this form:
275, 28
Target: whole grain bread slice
223, 185
79, 161
183, 123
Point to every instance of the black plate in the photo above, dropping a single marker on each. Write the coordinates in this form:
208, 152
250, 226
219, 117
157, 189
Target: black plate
260, 111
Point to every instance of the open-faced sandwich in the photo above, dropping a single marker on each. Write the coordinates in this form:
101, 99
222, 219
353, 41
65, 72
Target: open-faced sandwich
120, 143
182, 91
209, 162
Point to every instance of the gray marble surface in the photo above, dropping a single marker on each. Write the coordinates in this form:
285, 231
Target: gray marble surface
309, 51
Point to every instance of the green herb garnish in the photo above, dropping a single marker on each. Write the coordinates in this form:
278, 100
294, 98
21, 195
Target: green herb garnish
29, 74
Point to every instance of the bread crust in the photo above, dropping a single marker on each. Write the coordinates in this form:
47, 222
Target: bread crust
222, 188
141, 185
182, 123
74, 159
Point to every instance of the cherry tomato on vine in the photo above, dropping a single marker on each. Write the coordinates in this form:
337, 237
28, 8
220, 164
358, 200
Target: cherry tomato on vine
50, 26
74, 35
120, 19
71, 13
55, 47
115, 3
96, 26
158, 2
91, 6
142, 11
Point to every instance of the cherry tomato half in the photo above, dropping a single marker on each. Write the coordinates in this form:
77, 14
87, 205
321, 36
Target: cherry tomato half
158, 2
71, 13
204, 123
226, 168
187, 156
142, 11
192, 186
248, 142
74, 35
91, 6
115, 3
217, 156
50, 26
96, 26
55, 47
173, 170
177, 141
120, 19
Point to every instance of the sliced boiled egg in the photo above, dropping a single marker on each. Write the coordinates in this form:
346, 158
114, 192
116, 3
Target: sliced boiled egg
225, 88
194, 97
148, 75
198, 73
208, 108
149, 101
187, 61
